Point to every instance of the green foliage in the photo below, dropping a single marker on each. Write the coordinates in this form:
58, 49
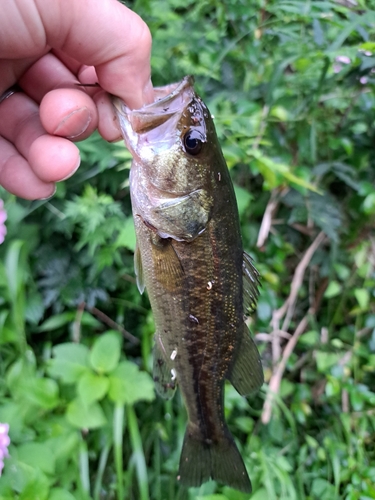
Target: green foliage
290, 84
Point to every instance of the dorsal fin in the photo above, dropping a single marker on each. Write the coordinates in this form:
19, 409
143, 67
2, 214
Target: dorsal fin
251, 284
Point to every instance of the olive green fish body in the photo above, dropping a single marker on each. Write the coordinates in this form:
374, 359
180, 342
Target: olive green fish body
189, 257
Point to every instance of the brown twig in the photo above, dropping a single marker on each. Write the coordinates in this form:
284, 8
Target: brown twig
274, 385
267, 337
112, 324
76, 327
286, 311
289, 305
266, 225
345, 401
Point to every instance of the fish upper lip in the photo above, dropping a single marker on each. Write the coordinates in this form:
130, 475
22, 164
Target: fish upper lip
170, 99
171, 92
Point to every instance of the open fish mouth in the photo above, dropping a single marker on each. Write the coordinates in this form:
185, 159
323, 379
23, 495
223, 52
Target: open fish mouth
170, 102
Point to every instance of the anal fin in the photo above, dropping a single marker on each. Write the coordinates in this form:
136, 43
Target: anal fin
246, 374
163, 370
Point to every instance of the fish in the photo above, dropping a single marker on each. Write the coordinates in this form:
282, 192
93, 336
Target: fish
189, 256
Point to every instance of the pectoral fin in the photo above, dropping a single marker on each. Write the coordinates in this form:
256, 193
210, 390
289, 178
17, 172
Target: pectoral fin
163, 370
246, 374
168, 268
138, 268
251, 283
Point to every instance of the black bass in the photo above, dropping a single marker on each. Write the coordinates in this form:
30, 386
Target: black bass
189, 256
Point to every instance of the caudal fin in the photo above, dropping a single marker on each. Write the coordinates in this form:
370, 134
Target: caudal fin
220, 460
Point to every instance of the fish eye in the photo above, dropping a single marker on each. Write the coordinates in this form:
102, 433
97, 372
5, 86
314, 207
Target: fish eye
193, 142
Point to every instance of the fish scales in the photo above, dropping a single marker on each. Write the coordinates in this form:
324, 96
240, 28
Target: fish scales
189, 257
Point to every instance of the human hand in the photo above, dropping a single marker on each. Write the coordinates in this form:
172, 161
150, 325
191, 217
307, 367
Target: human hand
47, 48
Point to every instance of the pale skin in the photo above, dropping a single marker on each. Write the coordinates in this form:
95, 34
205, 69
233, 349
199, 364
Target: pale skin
47, 47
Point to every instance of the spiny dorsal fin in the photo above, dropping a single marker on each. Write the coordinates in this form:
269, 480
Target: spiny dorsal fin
163, 370
246, 374
251, 283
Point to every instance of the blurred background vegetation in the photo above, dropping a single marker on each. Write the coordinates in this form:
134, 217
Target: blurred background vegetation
290, 84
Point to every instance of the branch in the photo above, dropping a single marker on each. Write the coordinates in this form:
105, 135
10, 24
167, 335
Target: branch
275, 381
287, 310
112, 324
265, 227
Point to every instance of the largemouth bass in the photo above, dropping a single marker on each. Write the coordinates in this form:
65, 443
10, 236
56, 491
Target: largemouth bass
189, 256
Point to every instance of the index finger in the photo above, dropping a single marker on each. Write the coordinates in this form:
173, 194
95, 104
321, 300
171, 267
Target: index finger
100, 33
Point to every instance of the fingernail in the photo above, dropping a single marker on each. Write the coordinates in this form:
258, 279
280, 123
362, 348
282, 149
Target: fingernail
74, 124
148, 93
50, 195
73, 171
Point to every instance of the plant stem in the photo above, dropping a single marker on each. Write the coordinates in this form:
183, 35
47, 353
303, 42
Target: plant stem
138, 453
84, 466
15, 271
118, 429
102, 463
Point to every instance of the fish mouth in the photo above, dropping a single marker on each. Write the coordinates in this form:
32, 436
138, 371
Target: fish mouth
170, 102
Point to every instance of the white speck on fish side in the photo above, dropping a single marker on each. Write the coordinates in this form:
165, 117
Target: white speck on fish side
193, 319
174, 354
209, 285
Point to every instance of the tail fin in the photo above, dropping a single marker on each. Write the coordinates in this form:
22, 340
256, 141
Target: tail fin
218, 460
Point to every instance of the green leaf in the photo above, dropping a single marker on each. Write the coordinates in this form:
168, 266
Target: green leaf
245, 424
43, 392
57, 321
92, 387
106, 352
212, 497
126, 236
20, 373
60, 494
14, 269
333, 289
66, 318
29, 482
38, 489
261, 494
270, 169
38, 455
326, 214
368, 204
243, 199
85, 417
325, 360
322, 489
310, 338
129, 385
363, 297
69, 363
34, 308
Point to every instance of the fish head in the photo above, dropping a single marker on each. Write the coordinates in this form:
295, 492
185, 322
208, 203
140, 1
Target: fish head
172, 139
